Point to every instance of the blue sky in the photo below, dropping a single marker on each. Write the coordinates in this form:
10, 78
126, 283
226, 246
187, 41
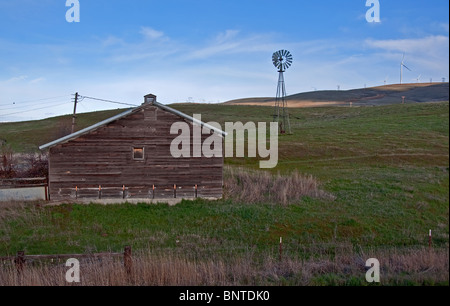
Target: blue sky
207, 51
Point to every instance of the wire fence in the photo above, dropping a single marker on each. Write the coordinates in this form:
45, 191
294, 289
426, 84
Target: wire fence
21, 260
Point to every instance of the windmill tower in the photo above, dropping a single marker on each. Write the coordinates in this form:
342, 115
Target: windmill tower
282, 60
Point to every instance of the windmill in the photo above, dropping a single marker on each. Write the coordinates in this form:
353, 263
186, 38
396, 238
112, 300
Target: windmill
282, 60
401, 68
386, 80
418, 78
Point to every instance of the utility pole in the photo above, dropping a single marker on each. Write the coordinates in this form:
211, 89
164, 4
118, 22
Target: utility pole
74, 112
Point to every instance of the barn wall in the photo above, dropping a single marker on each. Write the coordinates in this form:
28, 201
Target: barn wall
104, 158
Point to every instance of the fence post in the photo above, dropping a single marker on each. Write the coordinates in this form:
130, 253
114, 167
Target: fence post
430, 240
127, 260
46, 188
20, 261
281, 248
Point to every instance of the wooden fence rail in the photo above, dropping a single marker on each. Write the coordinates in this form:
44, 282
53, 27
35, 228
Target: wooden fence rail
125, 192
20, 259
23, 182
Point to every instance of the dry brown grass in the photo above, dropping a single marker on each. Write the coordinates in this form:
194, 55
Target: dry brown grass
25, 211
418, 267
293, 103
246, 186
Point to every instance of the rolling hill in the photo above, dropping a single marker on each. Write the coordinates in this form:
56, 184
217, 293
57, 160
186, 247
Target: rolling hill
29, 135
383, 95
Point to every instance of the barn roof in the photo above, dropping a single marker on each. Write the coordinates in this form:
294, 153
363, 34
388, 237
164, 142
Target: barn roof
127, 113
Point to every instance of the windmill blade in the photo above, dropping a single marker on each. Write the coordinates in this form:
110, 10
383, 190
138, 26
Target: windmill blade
275, 62
406, 67
276, 59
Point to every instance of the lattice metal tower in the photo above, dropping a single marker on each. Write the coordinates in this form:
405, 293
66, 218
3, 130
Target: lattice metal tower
282, 60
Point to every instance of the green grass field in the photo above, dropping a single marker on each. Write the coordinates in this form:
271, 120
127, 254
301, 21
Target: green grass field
387, 167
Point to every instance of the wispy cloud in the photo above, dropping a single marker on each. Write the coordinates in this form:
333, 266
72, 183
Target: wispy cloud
231, 42
444, 26
17, 79
425, 54
151, 44
226, 36
151, 34
37, 80
426, 45
158, 46
112, 41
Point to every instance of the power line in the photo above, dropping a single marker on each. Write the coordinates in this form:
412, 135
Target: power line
108, 101
37, 100
25, 106
31, 110
81, 98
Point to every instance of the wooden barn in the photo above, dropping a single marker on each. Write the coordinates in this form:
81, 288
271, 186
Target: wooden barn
128, 156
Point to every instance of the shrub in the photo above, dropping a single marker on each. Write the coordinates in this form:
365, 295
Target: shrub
248, 186
7, 167
37, 165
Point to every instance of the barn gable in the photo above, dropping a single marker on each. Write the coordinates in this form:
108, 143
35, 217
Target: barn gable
128, 156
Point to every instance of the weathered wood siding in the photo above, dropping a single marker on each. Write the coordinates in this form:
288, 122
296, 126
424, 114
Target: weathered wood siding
104, 157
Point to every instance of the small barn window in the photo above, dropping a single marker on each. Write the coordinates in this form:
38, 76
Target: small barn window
138, 153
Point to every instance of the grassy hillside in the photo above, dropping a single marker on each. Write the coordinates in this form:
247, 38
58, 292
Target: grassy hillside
382, 95
387, 168
27, 136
